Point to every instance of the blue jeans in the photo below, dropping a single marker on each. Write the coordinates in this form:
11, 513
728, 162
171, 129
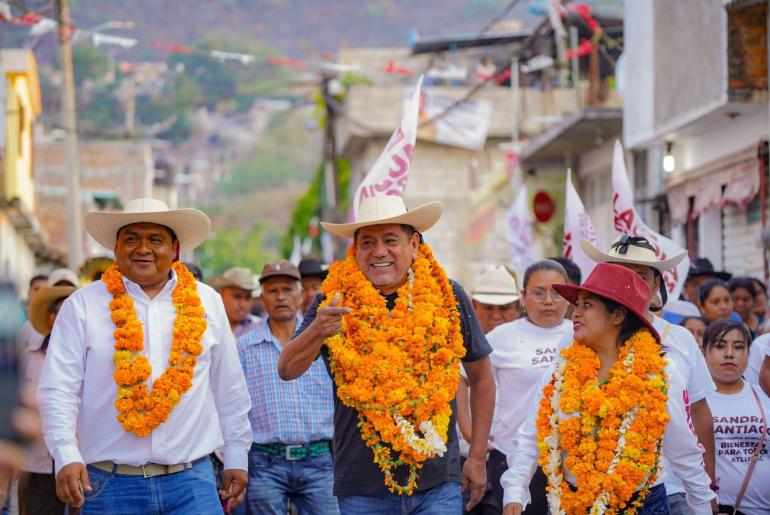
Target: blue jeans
444, 499
678, 504
656, 502
274, 480
191, 491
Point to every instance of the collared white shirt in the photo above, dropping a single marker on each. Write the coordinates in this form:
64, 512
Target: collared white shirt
77, 393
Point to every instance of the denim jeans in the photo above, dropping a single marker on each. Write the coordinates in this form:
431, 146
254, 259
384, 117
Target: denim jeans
444, 499
191, 491
656, 502
678, 504
274, 480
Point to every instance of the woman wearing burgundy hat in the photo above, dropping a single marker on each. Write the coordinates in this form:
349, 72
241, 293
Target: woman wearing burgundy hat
611, 406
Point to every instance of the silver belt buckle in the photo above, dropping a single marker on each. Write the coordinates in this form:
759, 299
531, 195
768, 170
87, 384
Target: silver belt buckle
145, 473
287, 452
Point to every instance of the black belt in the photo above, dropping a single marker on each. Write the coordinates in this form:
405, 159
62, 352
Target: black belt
295, 451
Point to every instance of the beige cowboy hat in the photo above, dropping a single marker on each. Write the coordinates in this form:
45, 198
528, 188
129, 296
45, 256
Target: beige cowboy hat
633, 251
40, 305
388, 209
496, 286
190, 225
235, 277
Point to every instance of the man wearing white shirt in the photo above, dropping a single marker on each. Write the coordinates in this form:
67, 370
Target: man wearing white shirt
678, 343
146, 446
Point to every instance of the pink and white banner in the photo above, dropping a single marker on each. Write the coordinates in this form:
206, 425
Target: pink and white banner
519, 222
628, 221
390, 172
578, 225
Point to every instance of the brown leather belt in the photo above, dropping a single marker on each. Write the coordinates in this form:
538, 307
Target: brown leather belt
147, 471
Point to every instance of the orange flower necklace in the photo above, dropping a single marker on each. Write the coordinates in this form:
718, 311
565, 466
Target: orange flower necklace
398, 368
140, 410
611, 433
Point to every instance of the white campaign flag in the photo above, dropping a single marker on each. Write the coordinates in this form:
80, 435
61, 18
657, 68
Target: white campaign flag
519, 222
296, 251
390, 172
628, 221
578, 225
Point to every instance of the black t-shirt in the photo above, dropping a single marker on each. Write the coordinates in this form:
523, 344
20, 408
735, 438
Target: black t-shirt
355, 472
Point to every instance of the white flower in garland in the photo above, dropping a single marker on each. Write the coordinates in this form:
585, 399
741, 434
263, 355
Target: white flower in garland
430, 444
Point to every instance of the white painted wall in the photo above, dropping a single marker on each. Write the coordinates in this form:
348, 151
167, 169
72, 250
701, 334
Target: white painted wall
639, 78
17, 261
725, 138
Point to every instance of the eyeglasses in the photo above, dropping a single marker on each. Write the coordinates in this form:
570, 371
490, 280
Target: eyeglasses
539, 295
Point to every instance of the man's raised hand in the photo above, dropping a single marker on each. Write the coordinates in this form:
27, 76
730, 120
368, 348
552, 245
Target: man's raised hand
329, 318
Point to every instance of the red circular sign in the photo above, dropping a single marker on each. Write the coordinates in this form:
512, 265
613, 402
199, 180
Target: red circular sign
544, 206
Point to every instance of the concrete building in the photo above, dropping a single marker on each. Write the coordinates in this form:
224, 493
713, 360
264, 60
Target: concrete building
23, 246
699, 94
112, 172
474, 183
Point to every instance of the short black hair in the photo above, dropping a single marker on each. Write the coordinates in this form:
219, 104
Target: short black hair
742, 283
688, 318
169, 229
705, 289
573, 271
195, 270
718, 329
543, 265
38, 277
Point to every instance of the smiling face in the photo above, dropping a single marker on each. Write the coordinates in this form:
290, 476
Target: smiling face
144, 253
718, 304
384, 253
544, 306
727, 358
282, 297
592, 322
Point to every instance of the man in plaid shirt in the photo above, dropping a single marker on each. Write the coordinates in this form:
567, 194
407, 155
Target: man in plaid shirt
291, 422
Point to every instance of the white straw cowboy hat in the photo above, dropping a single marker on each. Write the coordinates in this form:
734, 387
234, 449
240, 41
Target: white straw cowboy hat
40, 305
235, 277
190, 225
496, 286
388, 209
633, 251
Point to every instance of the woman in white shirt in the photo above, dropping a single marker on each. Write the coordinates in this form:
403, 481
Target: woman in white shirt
611, 406
37, 485
523, 351
740, 412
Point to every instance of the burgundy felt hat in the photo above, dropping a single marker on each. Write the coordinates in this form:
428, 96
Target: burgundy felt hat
616, 283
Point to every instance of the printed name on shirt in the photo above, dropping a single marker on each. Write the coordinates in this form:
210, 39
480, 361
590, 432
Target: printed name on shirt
738, 448
543, 355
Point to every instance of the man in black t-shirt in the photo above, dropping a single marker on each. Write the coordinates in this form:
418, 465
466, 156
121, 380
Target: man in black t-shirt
386, 241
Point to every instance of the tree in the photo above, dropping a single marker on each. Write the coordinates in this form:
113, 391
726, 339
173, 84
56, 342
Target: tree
231, 247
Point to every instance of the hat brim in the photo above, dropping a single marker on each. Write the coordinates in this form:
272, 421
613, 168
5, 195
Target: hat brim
495, 299
722, 276
601, 257
190, 225
220, 282
570, 292
40, 303
421, 218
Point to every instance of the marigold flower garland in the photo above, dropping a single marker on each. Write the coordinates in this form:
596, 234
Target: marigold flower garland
140, 410
398, 368
611, 432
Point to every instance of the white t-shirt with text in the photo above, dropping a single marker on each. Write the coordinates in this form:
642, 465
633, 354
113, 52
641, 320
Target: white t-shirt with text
737, 429
522, 353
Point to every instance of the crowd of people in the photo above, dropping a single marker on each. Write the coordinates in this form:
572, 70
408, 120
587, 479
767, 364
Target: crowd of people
378, 385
